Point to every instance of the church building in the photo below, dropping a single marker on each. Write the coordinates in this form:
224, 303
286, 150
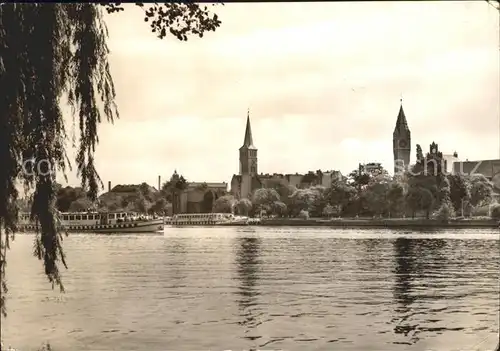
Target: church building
401, 143
248, 179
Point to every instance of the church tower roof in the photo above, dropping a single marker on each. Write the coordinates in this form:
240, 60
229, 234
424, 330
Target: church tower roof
401, 123
248, 141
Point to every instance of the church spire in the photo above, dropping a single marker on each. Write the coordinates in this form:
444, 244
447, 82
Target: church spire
248, 142
401, 123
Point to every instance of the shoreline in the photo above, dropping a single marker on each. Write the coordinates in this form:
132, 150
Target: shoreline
479, 223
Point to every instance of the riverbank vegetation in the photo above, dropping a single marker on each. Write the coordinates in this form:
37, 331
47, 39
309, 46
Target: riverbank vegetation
425, 190
379, 196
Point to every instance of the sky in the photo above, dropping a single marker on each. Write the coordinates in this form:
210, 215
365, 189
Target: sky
323, 82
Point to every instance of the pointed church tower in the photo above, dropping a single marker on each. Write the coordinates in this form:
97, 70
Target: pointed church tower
401, 142
248, 152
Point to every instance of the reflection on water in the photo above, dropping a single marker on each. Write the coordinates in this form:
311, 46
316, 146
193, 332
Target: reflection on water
175, 256
264, 289
404, 270
247, 258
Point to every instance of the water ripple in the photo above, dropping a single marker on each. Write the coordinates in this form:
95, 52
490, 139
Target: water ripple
255, 288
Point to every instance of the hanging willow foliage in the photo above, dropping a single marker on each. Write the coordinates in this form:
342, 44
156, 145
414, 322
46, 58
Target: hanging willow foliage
50, 53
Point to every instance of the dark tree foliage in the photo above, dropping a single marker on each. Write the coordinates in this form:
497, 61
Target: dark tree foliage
67, 195
51, 54
172, 190
178, 19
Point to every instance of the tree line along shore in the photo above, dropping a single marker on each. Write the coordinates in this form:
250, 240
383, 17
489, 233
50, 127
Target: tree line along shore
422, 196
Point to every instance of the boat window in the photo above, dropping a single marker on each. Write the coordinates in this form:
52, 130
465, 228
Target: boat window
71, 218
84, 217
112, 216
65, 217
77, 218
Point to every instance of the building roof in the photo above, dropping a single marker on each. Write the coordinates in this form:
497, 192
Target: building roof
248, 141
256, 179
401, 123
208, 184
488, 168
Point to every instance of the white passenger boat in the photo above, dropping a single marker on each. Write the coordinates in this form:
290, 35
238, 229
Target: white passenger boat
100, 222
207, 219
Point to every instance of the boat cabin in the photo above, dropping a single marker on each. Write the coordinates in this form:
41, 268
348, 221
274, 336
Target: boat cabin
95, 218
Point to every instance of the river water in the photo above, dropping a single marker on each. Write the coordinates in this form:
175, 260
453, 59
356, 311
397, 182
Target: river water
261, 289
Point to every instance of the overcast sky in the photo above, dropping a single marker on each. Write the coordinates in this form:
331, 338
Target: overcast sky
323, 82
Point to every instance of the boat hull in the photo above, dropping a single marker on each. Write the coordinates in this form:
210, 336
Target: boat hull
221, 224
209, 220
119, 228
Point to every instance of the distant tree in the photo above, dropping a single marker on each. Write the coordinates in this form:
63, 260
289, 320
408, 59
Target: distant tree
67, 195
284, 191
445, 212
173, 188
319, 200
304, 200
495, 211
224, 204
160, 206
376, 194
426, 201
424, 183
141, 205
445, 209
481, 190
130, 197
244, 206
329, 211
395, 198
420, 198
80, 205
303, 214
263, 199
359, 178
340, 194
420, 154
459, 191
412, 199
279, 208
144, 188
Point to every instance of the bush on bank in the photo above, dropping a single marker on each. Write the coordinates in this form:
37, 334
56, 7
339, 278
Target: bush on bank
495, 211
